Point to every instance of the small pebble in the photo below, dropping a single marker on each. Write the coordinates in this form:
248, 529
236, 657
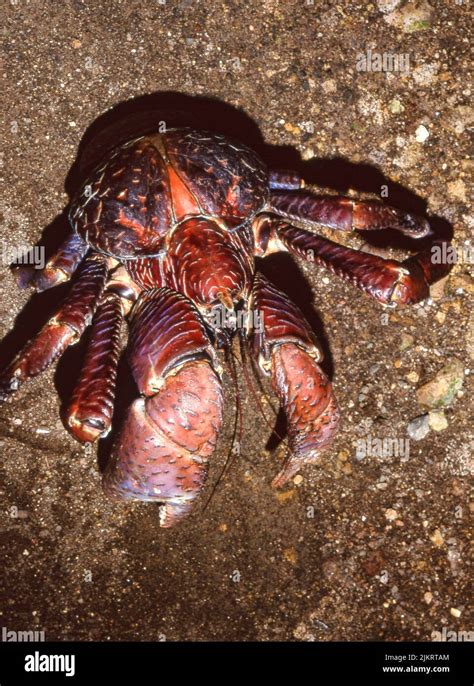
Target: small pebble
422, 134
437, 538
391, 514
290, 555
457, 190
437, 420
455, 612
387, 6
407, 341
442, 389
437, 290
396, 107
419, 427
281, 496
329, 86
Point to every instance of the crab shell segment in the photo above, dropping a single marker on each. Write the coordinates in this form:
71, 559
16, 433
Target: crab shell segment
148, 186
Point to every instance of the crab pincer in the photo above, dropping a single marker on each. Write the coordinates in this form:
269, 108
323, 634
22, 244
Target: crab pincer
162, 450
287, 350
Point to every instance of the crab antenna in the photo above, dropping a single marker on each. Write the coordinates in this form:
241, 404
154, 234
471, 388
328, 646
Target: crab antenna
238, 423
256, 376
253, 392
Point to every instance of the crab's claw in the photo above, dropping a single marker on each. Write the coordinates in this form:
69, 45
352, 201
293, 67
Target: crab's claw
169, 433
161, 453
308, 400
286, 349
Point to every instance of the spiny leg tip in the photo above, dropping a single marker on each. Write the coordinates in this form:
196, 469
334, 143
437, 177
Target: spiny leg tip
417, 227
9, 383
24, 276
86, 430
290, 469
171, 514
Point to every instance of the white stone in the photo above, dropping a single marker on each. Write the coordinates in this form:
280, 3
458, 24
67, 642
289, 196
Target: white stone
422, 134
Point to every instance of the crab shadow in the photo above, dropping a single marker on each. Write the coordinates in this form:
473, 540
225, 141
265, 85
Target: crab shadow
148, 113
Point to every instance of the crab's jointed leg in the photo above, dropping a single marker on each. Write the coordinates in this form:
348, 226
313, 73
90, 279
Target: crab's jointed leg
286, 348
285, 180
63, 329
169, 432
388, 281
59, 268
345, 214
89, 414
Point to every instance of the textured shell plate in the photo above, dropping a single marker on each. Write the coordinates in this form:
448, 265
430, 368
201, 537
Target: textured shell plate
148, 185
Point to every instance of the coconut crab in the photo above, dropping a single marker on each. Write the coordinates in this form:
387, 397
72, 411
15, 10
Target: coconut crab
165, 232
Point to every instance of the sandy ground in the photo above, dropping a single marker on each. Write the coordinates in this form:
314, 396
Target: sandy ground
362, 547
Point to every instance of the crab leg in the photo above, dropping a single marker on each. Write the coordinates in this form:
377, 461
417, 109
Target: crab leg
286, 349
59, 268
345, 214
283, 180
62, 330
388, 281
162, 450
89, 415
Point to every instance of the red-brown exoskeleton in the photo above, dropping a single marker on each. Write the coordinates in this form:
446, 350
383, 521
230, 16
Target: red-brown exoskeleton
166, 231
